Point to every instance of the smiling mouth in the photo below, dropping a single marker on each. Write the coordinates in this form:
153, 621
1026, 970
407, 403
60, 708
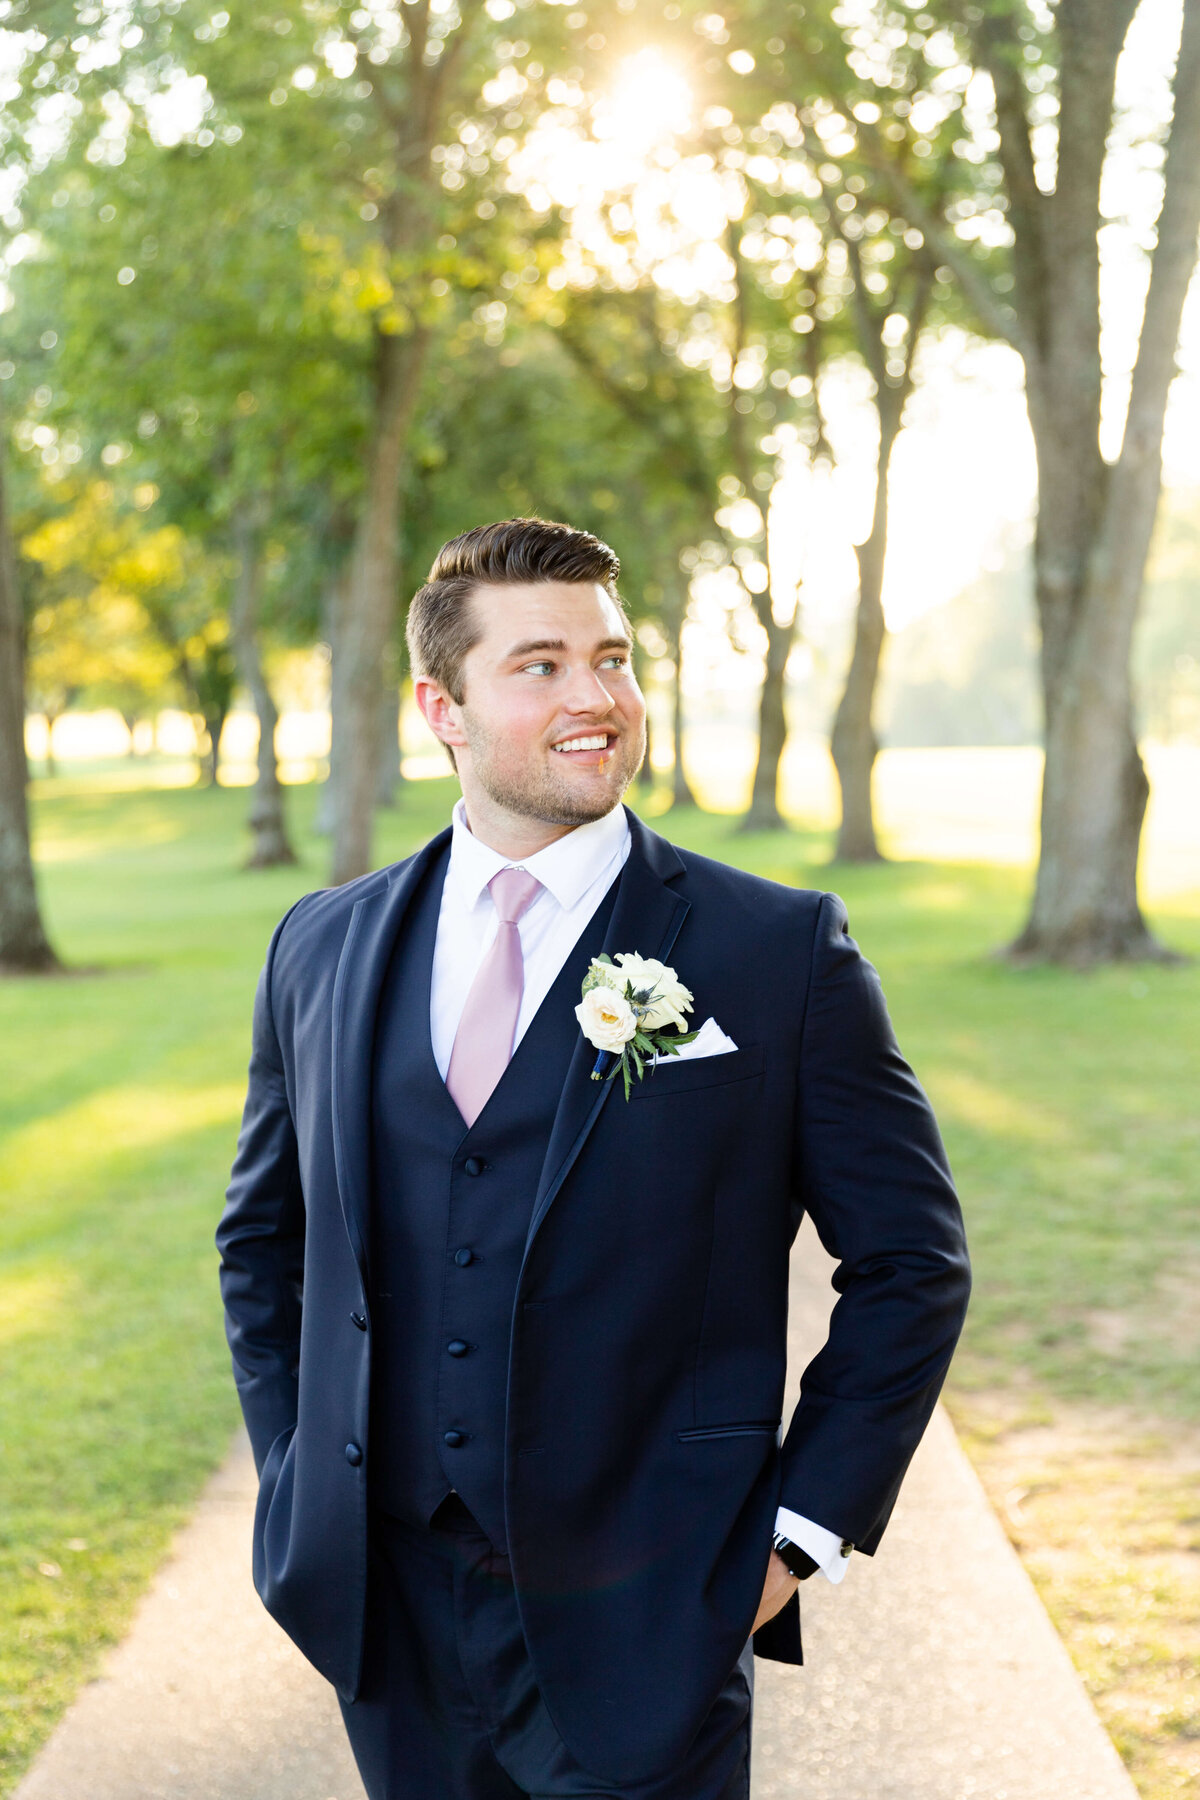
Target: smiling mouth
598, 743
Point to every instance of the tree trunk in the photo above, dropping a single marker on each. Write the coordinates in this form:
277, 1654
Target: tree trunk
214, 725
49, 760
1095, 522
673, 617
764, 813
1094, 794
390, 775
853, 742
644, 779
24, 947
270, 847
332, 609
370, 613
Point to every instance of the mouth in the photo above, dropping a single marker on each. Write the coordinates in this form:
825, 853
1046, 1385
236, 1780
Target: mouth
590, 748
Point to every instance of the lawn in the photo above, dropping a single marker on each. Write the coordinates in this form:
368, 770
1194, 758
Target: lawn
1068, 1104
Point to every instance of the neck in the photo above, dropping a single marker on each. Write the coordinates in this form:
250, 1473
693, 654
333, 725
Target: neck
508, 834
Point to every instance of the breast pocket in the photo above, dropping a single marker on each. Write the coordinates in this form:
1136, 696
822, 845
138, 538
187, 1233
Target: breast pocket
722, 1070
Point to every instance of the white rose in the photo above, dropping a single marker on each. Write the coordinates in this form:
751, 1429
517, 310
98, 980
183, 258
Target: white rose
606, 1019
668, 999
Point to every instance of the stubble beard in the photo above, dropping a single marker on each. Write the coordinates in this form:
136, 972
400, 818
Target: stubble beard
537, 794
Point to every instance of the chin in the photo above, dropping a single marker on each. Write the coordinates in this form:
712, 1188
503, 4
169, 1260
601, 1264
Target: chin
554, 802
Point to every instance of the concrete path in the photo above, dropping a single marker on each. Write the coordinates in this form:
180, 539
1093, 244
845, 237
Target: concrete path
933, 1672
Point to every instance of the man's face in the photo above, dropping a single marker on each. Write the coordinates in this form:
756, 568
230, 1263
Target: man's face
552, 724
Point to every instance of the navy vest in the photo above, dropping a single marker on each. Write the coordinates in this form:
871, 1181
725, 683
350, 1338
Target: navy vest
450, 1213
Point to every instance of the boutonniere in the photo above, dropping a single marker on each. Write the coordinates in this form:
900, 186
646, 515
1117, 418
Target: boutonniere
632, 1012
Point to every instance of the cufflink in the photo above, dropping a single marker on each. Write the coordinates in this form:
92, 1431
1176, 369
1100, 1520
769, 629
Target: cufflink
846, 1547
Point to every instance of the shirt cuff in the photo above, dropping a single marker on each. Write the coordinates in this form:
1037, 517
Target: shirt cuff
825, 1547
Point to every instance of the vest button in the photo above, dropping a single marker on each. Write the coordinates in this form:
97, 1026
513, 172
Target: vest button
356, 1318
457, 1347
474, 1165
455, 1439
353, 1455
464, 1258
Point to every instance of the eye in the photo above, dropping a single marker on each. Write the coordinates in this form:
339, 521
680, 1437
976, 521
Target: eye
619, 659
534, 667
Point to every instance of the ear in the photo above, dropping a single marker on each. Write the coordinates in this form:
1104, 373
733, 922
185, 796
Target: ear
440, 712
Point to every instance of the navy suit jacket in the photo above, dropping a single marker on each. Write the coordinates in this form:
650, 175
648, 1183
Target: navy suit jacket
643, 1466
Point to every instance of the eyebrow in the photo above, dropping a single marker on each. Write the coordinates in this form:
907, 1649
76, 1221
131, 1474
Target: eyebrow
529, 645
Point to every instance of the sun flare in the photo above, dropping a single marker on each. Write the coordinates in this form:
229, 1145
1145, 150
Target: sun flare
648, 104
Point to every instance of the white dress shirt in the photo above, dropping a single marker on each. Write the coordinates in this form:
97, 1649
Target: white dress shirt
576, 872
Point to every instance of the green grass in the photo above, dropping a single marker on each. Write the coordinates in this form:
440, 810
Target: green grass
1067, 1102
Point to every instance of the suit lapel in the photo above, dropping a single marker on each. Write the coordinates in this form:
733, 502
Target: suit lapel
363, 962
646, 918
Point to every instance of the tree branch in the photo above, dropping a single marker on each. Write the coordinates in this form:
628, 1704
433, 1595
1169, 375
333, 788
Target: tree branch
739, 442
993, 315
999, 52
682, 458
1174, 257
867, 317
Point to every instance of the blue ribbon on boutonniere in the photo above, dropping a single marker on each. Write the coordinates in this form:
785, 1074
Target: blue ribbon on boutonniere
603, 1063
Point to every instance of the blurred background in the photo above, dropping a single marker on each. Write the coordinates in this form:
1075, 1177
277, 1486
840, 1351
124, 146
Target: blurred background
862, 331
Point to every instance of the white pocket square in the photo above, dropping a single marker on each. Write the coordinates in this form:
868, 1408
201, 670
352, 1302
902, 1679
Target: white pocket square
710, 1040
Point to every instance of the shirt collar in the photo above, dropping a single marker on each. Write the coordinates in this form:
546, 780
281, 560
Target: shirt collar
567, 867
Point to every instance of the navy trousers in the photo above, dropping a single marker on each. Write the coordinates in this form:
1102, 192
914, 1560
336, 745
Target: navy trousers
449, 1708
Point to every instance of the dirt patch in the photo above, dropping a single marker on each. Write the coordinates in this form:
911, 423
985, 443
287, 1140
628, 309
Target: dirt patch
1103, 1505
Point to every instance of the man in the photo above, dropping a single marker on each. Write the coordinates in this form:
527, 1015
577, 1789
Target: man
510, 1345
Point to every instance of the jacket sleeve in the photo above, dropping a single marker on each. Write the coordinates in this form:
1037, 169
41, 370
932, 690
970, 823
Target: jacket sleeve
871, 1171
261, 1238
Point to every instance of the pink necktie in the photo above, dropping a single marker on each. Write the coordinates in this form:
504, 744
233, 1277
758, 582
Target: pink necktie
484, 1040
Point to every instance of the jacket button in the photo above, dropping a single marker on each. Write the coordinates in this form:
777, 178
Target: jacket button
474, 1165
359, 1320
457, 1347
455, 1439
464, 1258
353, 1455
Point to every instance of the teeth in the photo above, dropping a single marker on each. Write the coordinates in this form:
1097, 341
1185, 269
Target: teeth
589, 743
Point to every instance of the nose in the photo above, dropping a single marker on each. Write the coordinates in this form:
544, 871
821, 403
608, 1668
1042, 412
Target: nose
587, 694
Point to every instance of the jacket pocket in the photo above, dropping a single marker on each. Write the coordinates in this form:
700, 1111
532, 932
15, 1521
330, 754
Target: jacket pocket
683, 1076
755, 1428
273, 1514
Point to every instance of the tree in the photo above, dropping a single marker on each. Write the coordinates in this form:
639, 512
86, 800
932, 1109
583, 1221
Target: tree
351, 132
1096, 514
24, 946
687, 377
98, 647
514, 428
863, 286
104, 555
194, 379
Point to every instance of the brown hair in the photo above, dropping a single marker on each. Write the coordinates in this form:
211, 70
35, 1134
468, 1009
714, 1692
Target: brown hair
442, 627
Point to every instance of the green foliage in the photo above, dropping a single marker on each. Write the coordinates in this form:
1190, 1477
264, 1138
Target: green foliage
527, 433
226, 224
